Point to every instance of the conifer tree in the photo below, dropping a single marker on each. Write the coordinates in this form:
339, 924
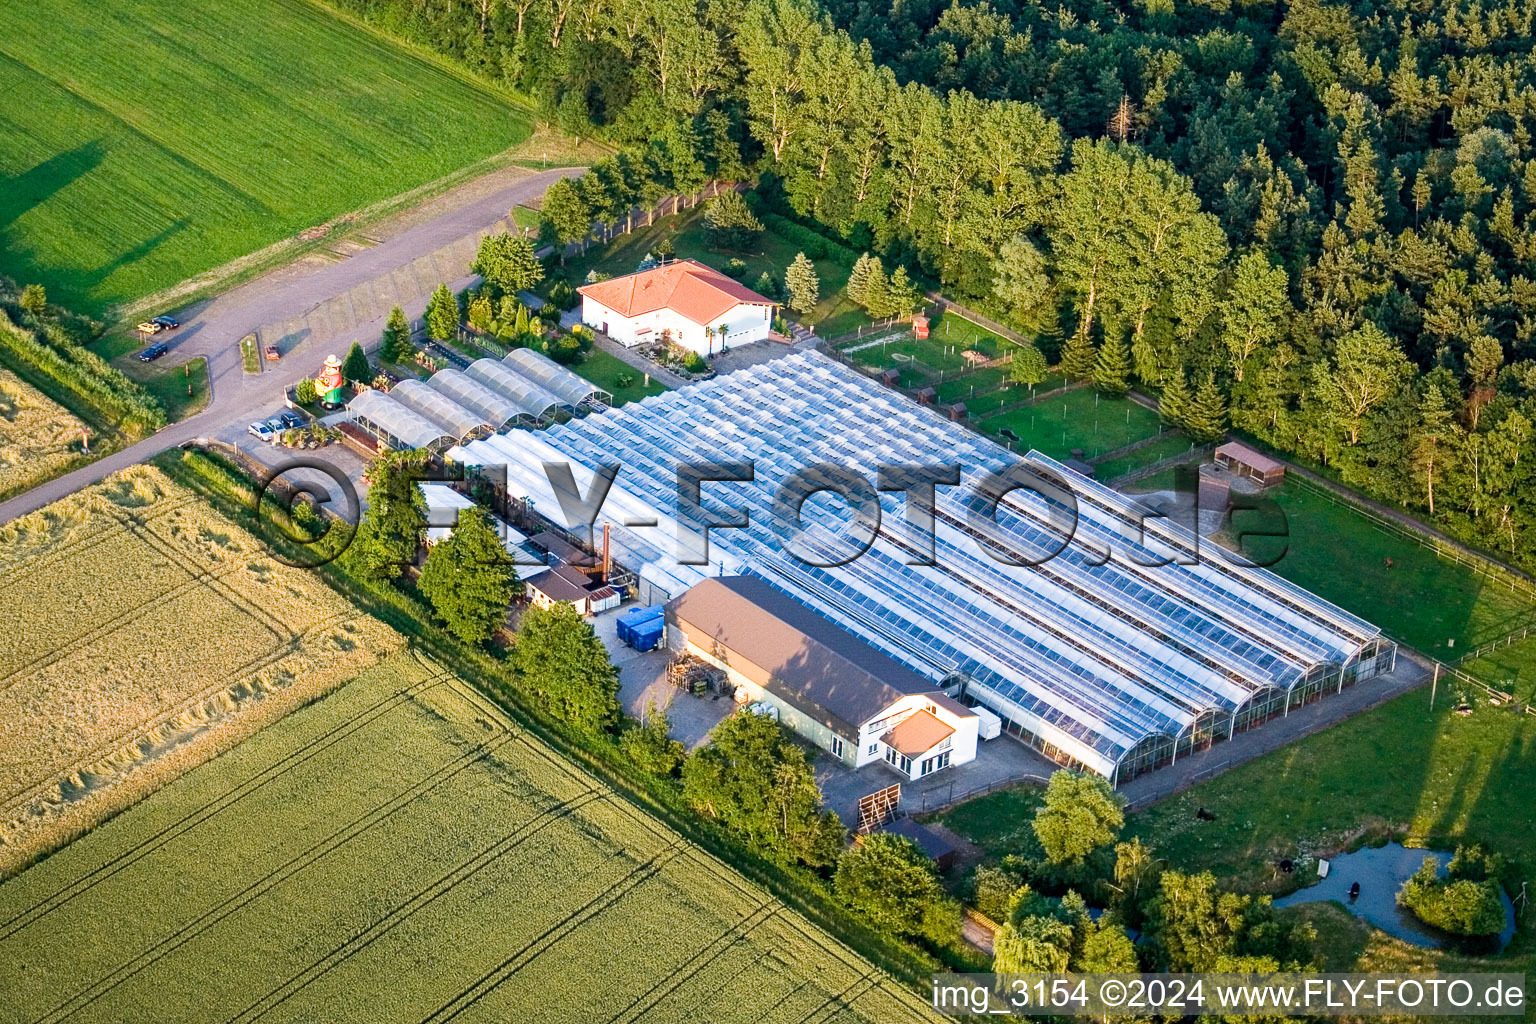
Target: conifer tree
355, 366
1173, 404
1109, 371
1079, 357
877, 290
395, 345
905, 297
858, 278
1207, 420
442, 314
803, 284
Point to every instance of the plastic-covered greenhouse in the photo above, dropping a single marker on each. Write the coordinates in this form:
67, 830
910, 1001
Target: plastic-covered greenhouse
497, 411
571, 388
393, 420
1117, 665
533, 399
428, 403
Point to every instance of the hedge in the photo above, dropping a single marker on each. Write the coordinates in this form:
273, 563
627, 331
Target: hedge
815, 245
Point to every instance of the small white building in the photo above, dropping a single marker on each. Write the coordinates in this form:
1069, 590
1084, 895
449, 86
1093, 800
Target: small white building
699, 308
826, 684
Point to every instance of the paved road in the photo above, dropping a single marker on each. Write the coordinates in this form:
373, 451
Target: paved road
215, 331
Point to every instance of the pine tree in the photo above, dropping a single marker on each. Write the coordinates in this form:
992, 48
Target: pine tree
767, 286
1173, 404
858, 278
395, 345
1109, 371
442, 314
1079, 357
355, 366
877, 290
803, 284
1207, 420
906, 297
470, 579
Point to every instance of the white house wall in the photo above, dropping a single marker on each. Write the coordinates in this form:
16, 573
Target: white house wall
745, 323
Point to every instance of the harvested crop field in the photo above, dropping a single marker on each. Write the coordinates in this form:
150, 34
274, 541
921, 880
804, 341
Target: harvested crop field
39, 438
399, 851
141, 633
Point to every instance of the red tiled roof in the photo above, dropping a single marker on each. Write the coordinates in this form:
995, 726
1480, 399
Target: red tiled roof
918, 733
687, 287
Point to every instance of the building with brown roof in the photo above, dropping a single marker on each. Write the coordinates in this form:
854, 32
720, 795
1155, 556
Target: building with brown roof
695, 306
826, 684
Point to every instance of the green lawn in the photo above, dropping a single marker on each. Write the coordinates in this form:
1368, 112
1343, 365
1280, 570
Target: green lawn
145, 142
605, 370
1422, 598
1441, 776
1162, 448
183, 389
1078, 419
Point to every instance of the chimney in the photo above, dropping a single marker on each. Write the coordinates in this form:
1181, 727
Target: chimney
607, 556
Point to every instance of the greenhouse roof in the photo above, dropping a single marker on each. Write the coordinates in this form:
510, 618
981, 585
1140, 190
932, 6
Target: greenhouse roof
492, 407
571, 388
532, 398
1093, 658
456, 421
393, 418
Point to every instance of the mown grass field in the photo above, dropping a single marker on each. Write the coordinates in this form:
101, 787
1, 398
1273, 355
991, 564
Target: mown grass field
1081, 418
144, 142
1162, 448
141, 633
399, 851
606, 370
39, 439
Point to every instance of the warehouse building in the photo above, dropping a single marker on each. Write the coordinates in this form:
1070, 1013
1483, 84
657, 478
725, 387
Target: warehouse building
823, 682
1129, 644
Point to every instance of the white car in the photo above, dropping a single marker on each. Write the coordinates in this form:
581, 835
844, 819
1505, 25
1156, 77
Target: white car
263, 430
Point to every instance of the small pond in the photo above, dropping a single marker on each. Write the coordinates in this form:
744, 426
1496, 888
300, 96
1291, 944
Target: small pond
1381, 872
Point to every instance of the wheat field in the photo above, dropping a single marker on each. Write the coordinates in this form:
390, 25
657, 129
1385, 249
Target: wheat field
400, 851
141, 633
39, 438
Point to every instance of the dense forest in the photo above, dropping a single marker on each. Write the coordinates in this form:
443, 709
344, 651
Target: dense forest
1327, 208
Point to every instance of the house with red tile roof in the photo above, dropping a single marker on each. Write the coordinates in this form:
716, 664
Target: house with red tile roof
696, 306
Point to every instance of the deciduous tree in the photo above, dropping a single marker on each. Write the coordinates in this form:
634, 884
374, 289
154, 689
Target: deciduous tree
560, 660
469, 578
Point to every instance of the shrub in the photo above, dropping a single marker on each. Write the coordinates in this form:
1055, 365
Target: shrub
52, 353
1466, 902
694, 363
304, 392
563, 348
562, 296
736, 268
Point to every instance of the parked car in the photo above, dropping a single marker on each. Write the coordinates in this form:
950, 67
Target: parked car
154, 352
169, 323
150, 327
272, 353
262, 429
290, 419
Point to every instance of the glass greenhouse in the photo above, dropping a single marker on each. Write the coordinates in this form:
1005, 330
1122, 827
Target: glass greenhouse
1124, 647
